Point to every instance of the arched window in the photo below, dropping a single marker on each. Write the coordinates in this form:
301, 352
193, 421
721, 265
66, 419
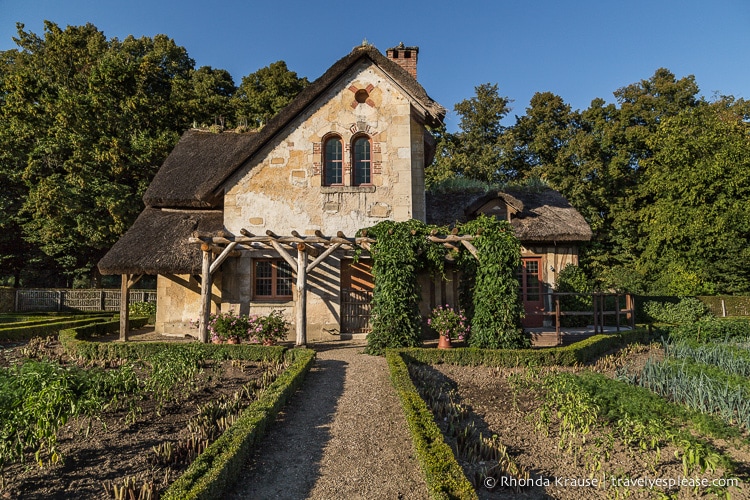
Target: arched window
361, 160
333, 162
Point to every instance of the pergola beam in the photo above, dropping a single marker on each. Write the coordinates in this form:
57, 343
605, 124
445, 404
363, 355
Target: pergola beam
304, 245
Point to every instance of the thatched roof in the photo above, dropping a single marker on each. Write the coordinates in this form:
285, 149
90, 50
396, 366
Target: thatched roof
202, 161
189, 175
540, 216
157, 243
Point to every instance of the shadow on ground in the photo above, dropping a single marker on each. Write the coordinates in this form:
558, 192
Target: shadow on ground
286, 464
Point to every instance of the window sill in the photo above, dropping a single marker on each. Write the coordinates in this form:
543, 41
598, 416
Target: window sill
347, 189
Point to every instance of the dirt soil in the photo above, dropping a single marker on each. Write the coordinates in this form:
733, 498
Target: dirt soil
113, 450
496, 409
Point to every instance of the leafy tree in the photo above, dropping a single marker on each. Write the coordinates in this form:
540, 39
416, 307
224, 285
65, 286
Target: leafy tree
696, 222
264, 93
541, 136
87, 122
476, 151
207, 97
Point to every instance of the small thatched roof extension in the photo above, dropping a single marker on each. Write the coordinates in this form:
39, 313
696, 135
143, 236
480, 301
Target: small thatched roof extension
157, 243
540, 216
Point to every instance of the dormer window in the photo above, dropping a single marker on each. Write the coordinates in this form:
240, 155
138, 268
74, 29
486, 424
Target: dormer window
333, 162
361, 157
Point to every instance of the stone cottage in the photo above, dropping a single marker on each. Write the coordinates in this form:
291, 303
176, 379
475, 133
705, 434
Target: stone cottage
349, 151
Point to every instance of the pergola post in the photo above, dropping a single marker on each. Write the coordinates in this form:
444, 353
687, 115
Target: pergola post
301, 295
124, 307
205, 294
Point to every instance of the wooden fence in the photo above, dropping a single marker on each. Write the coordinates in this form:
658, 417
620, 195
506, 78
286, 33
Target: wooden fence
603, 309
77, 300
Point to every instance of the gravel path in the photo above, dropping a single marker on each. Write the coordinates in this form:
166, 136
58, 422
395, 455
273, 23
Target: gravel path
343, 435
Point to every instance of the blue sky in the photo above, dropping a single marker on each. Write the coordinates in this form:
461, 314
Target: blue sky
579, 50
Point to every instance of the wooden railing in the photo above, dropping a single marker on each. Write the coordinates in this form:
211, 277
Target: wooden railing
624, 314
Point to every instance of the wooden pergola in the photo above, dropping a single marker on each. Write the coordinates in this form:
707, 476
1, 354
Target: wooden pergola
217, 248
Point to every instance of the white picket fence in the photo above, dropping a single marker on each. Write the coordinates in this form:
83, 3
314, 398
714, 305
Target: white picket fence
76, 300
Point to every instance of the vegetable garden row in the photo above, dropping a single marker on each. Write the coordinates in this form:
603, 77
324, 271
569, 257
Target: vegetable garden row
89, 419
662, 419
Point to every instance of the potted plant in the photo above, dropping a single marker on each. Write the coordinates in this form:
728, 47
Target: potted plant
449, 324
273, 328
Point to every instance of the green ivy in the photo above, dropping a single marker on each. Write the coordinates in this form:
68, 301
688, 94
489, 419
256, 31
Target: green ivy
489, 289
497, 311
401, 250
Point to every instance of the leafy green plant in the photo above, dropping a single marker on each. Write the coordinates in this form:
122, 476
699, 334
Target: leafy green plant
496, 308
401, 250
272, 327
147, 309
687, 310
227, 325
699, 386
728, 357
572, 279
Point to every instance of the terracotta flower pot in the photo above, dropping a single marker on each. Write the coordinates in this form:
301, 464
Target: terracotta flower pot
444, 342
217, 341
233, 340
268, 342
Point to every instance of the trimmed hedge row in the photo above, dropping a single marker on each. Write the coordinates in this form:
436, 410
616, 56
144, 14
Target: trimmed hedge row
580, 352
735, 305
220, 465
49, 327
444, 476
75, 342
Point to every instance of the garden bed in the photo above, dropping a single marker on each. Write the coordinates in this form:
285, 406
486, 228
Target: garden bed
575, 433
147, 433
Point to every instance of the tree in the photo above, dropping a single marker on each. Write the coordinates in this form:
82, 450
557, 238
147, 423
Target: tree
207, 97
476, 151
697, 224
264, 93
87, 121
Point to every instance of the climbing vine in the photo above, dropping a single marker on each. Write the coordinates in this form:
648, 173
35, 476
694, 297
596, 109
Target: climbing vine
490, 289
495, 307
401, 250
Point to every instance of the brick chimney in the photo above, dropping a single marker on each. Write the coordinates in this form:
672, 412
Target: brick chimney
406, 57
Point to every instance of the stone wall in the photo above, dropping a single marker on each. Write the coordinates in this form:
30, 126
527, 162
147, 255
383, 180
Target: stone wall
281, 189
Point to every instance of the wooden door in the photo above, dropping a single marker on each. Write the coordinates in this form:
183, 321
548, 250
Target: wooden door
357, 285
530, 280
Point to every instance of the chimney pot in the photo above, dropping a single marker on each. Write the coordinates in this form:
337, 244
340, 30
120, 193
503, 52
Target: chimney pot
406, 57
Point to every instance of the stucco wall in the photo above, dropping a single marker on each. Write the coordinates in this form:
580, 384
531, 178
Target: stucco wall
280, 189
178, 302
554, 260
323, 297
